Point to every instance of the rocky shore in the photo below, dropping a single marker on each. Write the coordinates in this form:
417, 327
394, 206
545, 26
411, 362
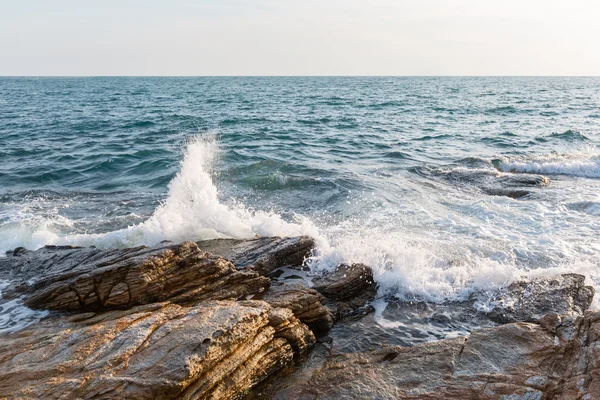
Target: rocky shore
230, 319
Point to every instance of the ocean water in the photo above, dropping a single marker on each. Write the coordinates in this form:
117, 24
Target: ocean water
433, 182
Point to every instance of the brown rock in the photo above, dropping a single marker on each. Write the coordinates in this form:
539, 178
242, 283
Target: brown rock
262, 254
216, 350
559, 359
305, 303
68, 278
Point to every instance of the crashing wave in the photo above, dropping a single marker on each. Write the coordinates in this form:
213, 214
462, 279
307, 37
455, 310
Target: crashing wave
585, 165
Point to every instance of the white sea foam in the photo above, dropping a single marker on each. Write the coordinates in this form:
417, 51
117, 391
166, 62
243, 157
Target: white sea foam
583, 164
191, 211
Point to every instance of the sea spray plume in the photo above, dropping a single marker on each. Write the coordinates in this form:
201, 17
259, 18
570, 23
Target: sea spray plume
192, 208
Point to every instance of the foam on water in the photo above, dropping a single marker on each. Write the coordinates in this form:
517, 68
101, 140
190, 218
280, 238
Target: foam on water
582, 164
191, 211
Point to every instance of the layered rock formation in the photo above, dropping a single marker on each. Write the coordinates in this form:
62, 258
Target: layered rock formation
201, 321
218, 349
68, 278
556, 358
159, 329
347, 288
306, 304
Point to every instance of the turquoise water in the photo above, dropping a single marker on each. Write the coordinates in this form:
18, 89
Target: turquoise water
434, 182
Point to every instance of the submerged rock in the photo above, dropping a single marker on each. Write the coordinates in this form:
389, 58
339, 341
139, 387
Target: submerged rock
68, 278
556, 359
482, 175
262, 254
530, 300
216, 350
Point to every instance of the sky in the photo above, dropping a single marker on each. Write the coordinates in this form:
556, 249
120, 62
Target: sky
300, 37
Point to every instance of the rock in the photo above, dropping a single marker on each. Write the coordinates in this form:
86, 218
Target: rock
262, 254
69, 278
345, 282
304, 302
529, 300
217, 350
348, 286
512, 193
523, 179
490, 181
514, 361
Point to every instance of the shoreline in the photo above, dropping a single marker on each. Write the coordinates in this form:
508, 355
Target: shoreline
244, 322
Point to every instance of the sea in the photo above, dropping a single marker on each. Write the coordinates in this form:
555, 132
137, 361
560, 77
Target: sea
445, 186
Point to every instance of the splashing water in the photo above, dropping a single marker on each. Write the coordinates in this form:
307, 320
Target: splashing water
407, 263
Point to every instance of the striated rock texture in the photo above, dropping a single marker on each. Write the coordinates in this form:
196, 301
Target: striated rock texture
530, 300
559, 358
68, 278
216, 350
262, 254
305, 303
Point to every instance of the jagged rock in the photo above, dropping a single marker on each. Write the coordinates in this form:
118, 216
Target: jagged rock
529, 300
68, 278
348, 287
556, 359
304, 302
216, 350
262, 254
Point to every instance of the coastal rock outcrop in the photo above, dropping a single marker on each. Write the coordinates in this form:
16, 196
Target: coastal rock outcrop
175, 321
217, 350
557, 358
70, 278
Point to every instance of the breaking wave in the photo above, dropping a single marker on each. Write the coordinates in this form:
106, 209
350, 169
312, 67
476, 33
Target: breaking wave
584, 164
408, 263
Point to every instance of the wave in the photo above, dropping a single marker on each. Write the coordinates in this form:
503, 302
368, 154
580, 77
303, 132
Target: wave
434, 137
191, 211
443, 261
583, 164
570, 135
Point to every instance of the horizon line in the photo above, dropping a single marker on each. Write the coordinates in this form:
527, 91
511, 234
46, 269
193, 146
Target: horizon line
300, 76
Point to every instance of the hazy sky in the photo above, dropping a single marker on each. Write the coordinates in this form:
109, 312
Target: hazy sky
300, 37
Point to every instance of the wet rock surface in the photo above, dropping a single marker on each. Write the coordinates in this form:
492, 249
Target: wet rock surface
556, 359
347, 288
262, 254
481, 175
530, 300
176, 321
